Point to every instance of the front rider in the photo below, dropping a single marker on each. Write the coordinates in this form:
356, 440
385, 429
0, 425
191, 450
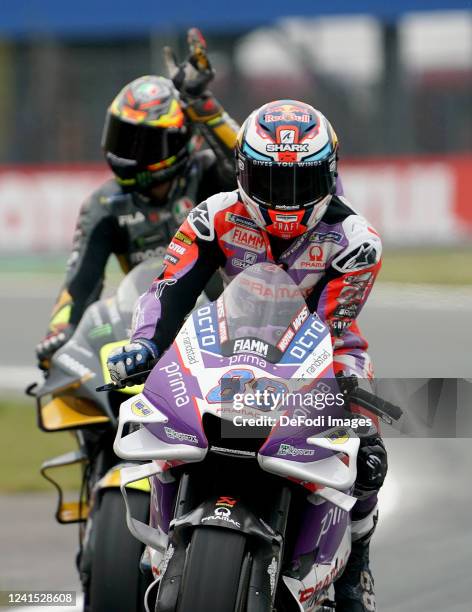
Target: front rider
285, 211
151, 141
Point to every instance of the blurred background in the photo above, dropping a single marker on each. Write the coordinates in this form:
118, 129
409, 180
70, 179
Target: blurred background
395, 79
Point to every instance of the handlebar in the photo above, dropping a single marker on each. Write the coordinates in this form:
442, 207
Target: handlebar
385, 410
375, 404
133, 379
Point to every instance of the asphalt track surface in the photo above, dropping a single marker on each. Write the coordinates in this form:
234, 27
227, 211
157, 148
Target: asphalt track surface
421, 553
413, 331
422, 549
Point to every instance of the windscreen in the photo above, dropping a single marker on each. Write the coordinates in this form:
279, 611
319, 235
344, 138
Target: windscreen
136, 283
259, 306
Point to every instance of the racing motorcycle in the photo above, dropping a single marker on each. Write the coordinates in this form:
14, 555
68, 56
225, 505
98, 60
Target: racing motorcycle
251, 480
109, 557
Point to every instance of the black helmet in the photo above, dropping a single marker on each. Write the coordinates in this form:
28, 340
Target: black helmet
146, 138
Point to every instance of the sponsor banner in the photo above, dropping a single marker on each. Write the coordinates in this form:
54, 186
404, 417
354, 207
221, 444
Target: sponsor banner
413, 200
409, 200
39, 205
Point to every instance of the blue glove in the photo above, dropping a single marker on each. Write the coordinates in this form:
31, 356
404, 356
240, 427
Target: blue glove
138, 356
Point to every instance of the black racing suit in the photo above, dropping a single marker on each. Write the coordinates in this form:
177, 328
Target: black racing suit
132, 227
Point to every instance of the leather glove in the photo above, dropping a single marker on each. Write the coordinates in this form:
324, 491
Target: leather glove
192, 76
372, 465
51, 343
138, 356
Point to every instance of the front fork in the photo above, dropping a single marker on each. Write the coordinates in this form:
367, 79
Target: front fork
265, 541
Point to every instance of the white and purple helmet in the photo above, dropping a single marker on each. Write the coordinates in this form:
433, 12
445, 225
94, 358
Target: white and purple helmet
286, 166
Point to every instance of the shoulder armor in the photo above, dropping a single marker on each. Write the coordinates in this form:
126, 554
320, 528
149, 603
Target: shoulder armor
202, 218
364, 247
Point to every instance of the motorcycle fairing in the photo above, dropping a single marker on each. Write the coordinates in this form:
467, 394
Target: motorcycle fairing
322, 526
310, 335
312, 589
143, 444
180, 388
206, 326
191, 373
69, 412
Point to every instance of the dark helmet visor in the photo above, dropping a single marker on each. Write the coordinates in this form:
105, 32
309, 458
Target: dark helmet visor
142, 143
279, 184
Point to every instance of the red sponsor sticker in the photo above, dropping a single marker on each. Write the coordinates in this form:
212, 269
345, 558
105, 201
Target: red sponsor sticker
229, 502
285, 339
248, 238
301, 317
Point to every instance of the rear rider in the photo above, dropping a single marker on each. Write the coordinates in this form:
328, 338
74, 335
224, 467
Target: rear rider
284, 211
151, 140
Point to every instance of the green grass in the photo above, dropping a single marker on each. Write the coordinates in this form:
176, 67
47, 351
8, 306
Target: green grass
445, 266
24, 447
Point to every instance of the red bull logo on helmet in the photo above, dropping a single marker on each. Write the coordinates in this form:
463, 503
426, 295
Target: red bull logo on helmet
288, 112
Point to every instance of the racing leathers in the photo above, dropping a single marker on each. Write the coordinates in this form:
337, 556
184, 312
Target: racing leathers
335, 265
132, 226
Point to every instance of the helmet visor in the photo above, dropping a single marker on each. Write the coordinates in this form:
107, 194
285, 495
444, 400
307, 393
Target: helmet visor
142, 143
283, 184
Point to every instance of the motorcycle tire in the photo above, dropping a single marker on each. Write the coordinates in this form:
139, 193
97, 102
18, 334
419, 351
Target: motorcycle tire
213, 572
116, 580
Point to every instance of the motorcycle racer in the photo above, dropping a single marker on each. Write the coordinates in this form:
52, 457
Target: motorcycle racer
151, 141
285, 211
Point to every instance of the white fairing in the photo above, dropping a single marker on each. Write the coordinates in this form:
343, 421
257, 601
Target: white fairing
142, 444
331, 472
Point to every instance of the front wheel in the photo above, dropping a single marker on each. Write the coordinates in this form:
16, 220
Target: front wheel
216, 573
116, 580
